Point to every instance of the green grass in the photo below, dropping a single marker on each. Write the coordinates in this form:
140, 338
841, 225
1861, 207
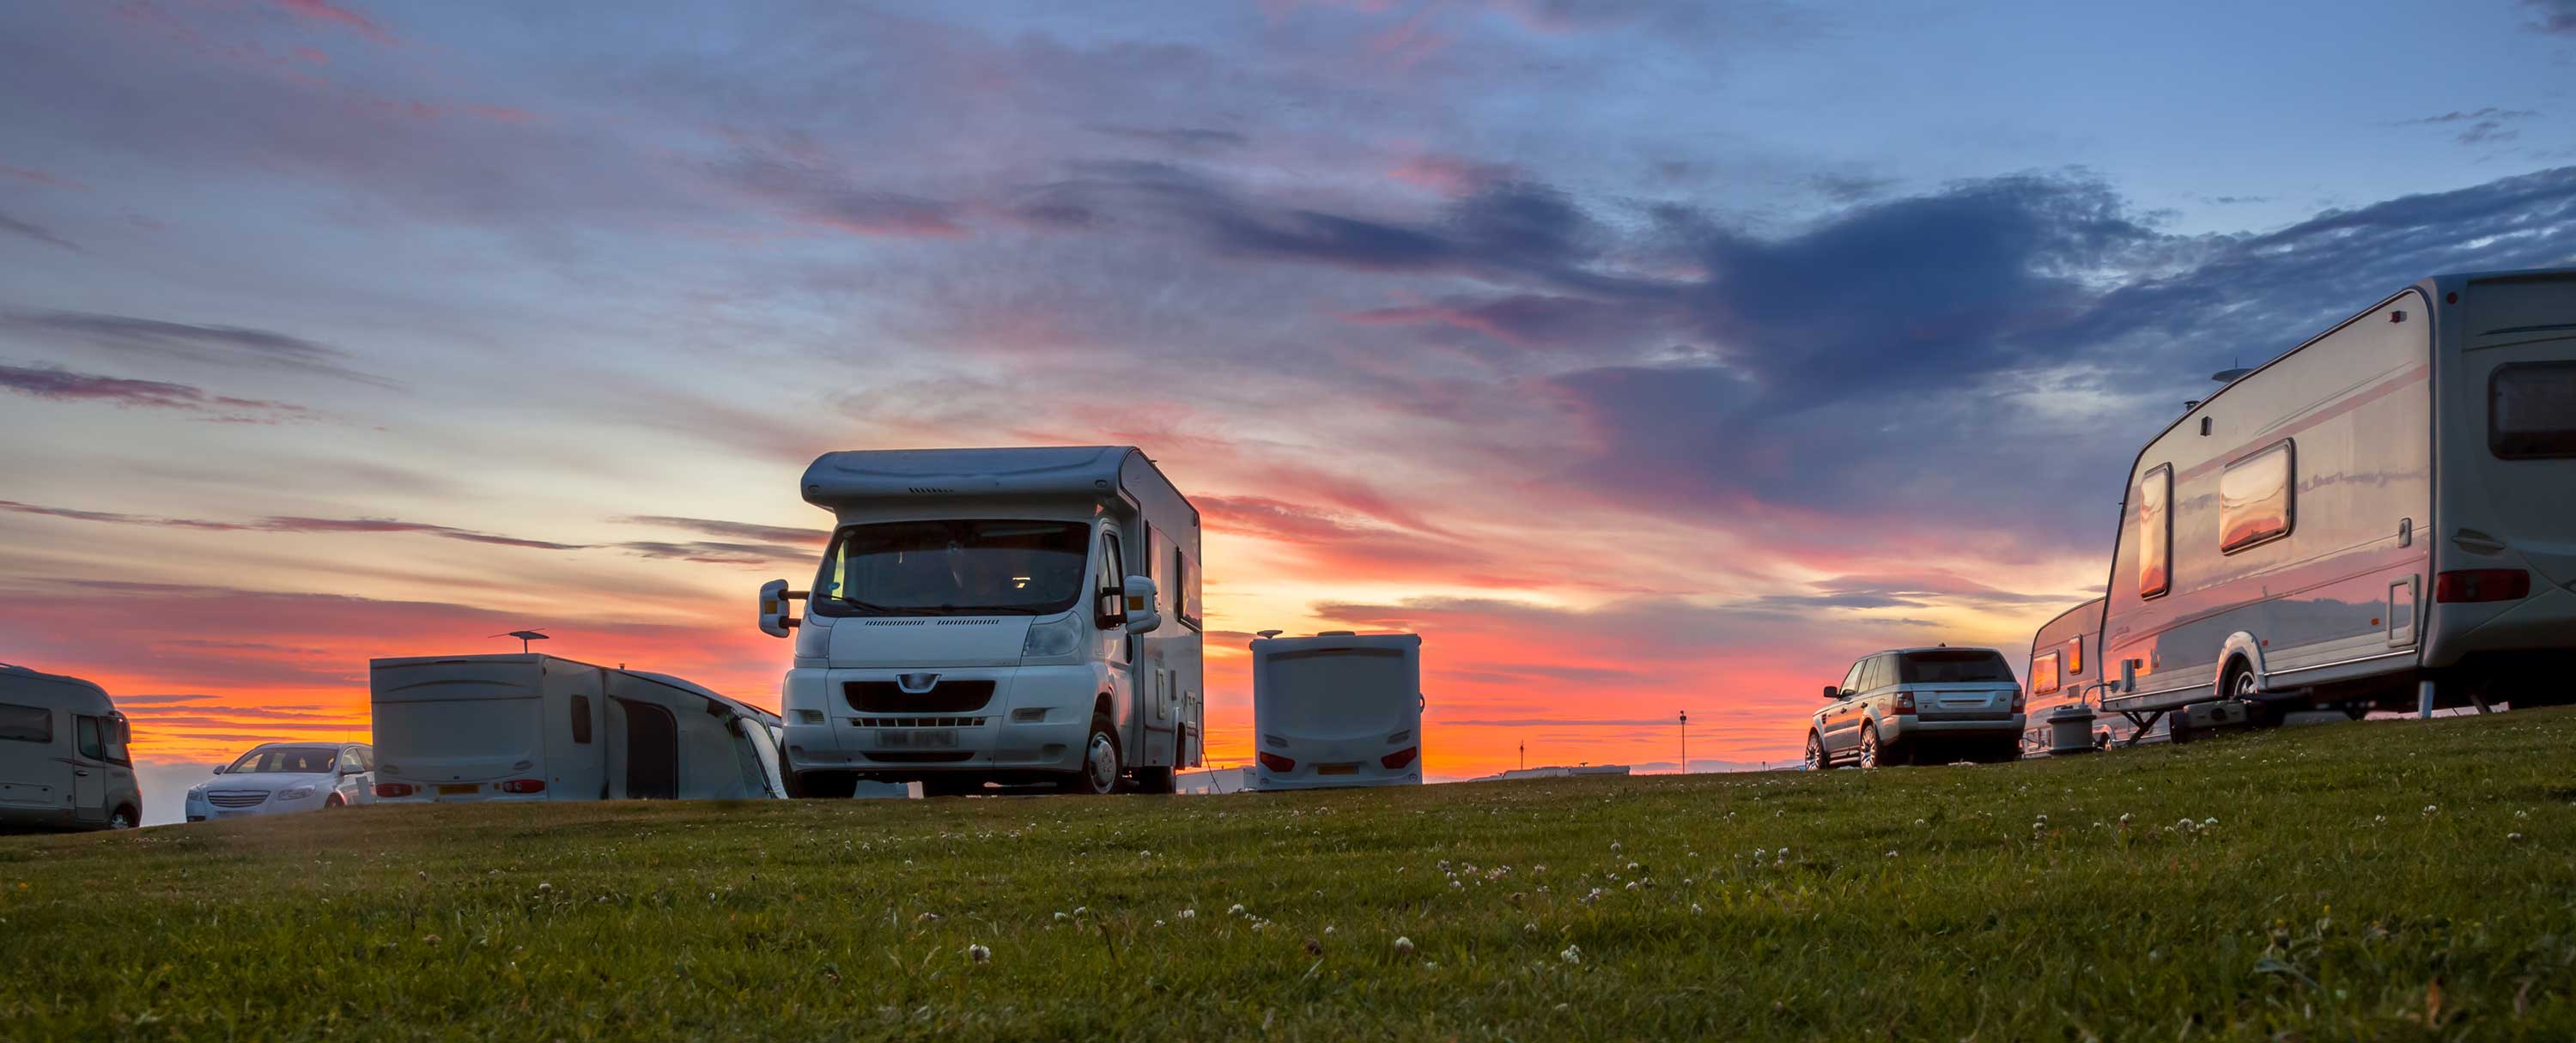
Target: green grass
2360, 882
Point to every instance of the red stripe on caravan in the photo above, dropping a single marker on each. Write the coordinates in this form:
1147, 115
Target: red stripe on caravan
2378, 391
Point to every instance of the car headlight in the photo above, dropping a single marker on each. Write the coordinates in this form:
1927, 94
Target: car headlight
298, 793
196, 796
1058, 637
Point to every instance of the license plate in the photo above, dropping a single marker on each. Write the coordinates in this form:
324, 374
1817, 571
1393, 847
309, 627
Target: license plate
465, 790
1337, 769
918, 738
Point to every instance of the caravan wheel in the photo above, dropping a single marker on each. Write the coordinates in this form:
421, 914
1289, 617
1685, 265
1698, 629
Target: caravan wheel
1101, 766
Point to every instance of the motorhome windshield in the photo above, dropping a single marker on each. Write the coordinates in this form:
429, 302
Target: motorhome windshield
1952, 667
290, 760
953, 568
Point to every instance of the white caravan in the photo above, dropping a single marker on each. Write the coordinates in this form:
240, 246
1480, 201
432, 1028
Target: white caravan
994, 615
536, 727
2383, 514
1337, 709
63, 762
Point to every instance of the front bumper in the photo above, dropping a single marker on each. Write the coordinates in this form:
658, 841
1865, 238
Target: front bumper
1034, 723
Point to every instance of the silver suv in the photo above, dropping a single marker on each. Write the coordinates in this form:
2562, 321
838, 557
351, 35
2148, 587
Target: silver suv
1919, 705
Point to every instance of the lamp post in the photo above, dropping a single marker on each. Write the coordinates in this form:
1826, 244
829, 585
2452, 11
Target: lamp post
1685, 742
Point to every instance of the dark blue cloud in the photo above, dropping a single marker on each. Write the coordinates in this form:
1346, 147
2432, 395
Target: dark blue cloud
156, 340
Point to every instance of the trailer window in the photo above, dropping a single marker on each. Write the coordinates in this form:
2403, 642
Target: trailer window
581, 720
26, 723
2043, 675
2153, 532
2256, 498
2074, 656
2531, 410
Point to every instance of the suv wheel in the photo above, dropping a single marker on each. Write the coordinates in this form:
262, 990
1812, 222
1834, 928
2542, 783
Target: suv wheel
1817, 760
1871, 752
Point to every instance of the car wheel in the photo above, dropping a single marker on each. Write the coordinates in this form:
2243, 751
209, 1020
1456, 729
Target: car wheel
1156, 780
121, 818
1100, 763
1870, 752
1817, 758
334, 802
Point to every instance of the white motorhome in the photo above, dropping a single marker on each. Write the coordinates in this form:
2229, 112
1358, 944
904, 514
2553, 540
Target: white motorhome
63, 761
538, 727
1337, 709
995, 616
2381, 517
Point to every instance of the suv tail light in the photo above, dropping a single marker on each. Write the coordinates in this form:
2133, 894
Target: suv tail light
2020, 700
1905, 703
522, 786
2482, 585
1276, 762
1400, 758
393, 789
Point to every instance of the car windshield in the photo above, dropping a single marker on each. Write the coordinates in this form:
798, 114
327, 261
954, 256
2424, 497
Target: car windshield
1952, 667
953, 568
290, 760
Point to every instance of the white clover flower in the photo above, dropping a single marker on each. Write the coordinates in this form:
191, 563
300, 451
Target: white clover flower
1158, 923
1529, 928
543, 887
1060, 917
1404, 946
926, 918
1572, 954
1615, 848
2431, 808
1186, 914
1632, 885
2208, 823
1891, 854
1328, 929
1235, 910
2512, 837
979, 954
1696, 909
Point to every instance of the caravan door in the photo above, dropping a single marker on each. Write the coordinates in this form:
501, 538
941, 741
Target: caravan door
652, 751
576, 731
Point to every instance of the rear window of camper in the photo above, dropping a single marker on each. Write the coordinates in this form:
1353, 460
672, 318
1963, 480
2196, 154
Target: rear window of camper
26, 723
1947, 667
2154, 535
2532, 410
2043, 675
2255, 502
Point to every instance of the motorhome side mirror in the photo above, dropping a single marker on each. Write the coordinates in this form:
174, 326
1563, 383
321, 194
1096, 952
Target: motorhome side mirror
2128, 675
775, 617
1141, 614
1109, 609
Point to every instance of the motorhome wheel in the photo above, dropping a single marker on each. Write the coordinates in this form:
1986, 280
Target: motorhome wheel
1100, 765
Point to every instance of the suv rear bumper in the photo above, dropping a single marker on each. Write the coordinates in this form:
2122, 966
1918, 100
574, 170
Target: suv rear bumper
1900, 728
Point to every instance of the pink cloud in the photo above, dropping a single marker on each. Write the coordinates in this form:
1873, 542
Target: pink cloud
325, 11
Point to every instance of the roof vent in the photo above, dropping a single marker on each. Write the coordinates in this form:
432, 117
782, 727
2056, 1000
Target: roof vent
1336, 633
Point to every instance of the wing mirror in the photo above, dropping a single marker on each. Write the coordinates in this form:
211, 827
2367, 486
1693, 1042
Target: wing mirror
219, 769
1832, 692
776, 619
1138, 612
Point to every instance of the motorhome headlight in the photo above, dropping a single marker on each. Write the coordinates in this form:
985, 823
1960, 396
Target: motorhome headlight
298, 793
1061, 636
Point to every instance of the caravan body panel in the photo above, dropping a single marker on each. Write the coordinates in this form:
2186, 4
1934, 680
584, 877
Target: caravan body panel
1337, 710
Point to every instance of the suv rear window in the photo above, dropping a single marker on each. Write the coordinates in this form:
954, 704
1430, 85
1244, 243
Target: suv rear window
2531, 410
1952, 667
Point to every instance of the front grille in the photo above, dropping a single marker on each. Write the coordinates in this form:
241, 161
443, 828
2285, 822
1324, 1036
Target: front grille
918, 722
237, 798
924, 757
944, 697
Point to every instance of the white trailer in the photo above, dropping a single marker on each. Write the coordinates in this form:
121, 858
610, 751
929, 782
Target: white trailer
538, 727
63, 759
2384, 513
1337, 709
1008, 616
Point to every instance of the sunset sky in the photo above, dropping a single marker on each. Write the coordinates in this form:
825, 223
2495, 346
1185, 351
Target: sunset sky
1644, 357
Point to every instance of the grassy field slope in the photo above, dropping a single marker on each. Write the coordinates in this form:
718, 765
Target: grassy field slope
2378, 881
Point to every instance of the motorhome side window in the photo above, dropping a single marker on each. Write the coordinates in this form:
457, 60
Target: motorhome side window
581, 719
113, 741
1113, 565
2043, 675
87, 740
953, 567
26, 723
2256, 498
2154, 532
2531, 411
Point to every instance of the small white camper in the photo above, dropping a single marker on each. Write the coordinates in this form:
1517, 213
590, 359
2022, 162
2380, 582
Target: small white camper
63, 762
1337, 709
2383, 515
1026, 615
537, 727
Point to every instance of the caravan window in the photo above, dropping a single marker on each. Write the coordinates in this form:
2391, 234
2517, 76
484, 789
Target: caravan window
26, 723
1185, 590
2043, 675
2255, 503
581, 720
2531, 411
2074, 655
2153, 532
960, 567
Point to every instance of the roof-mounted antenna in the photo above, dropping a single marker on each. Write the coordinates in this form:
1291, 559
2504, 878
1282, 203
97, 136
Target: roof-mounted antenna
526, 636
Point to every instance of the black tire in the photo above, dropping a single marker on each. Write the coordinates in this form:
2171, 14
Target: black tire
1160, 781
1817, 758
1095, 777
1872, 753
121, 818
2005, 752
2239, 684
824, 785
334, 802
